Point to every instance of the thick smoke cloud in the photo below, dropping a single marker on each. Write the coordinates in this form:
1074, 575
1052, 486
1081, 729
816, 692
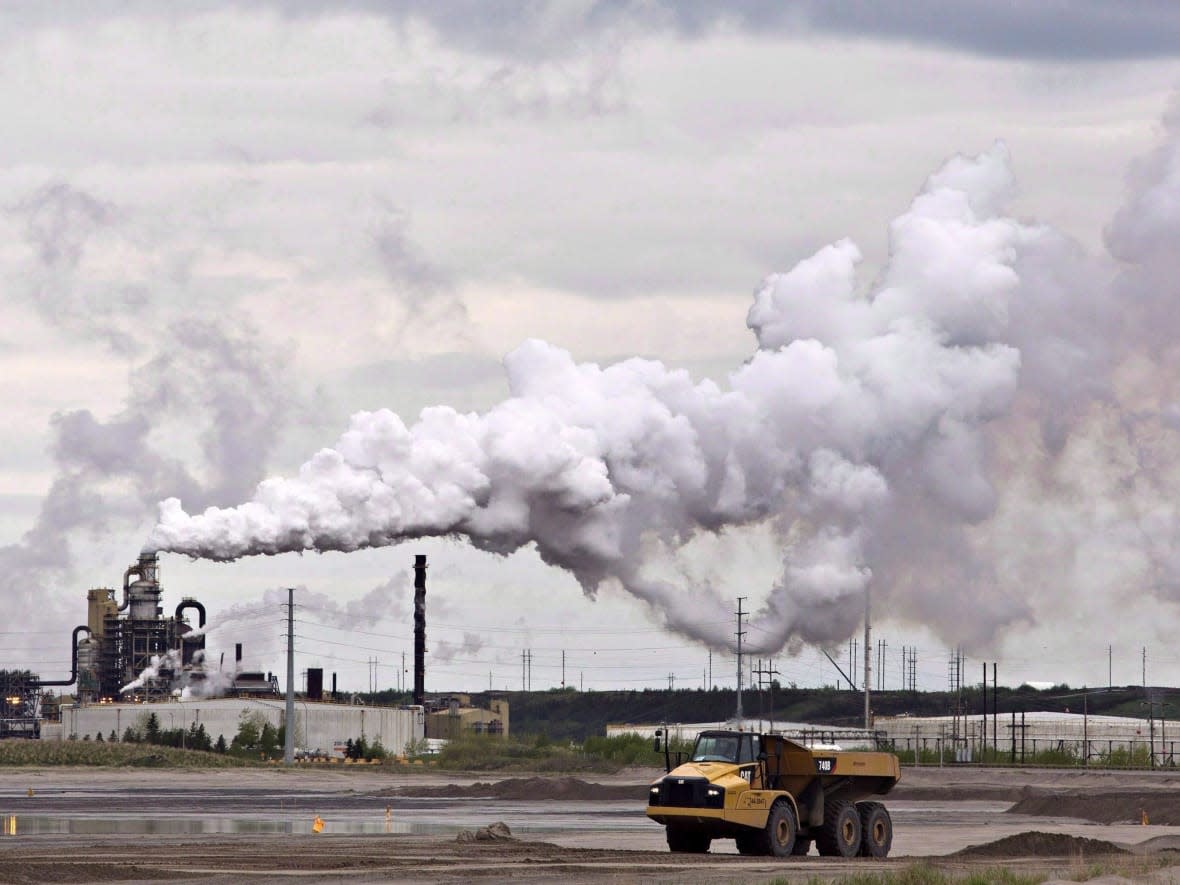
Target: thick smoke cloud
191, 372
860, 429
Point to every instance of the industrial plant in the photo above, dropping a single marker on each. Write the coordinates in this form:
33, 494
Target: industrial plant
130, 660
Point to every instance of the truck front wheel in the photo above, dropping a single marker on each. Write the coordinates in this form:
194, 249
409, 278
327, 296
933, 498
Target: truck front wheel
687, 842
840, 836
781, 830
876, 829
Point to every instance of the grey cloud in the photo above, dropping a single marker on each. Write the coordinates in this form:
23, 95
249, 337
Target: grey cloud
1069, 29
445, 651
59, 219
415, 276
1065, 30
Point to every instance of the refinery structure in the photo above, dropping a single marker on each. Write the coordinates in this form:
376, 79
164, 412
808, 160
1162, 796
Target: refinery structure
133, 636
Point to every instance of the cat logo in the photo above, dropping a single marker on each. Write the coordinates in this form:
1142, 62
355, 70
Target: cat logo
746, 774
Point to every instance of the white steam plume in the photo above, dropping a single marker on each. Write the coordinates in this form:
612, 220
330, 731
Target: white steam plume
170, 660
864, 429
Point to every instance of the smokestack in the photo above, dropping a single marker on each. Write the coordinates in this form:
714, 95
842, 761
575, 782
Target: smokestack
238, 656
419, 629
333, 686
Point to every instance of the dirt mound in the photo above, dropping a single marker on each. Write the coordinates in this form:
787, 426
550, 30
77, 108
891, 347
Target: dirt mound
532, 789
1037, 844
497, 832
956, 793
1161, 807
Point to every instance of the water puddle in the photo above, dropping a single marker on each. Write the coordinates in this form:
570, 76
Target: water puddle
437, 818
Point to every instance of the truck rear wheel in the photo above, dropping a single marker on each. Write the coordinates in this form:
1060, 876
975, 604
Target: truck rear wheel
840, 836
687, 842
876, 829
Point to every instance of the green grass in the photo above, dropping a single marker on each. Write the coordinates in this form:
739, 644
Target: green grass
43, 753
474, 752
491, 753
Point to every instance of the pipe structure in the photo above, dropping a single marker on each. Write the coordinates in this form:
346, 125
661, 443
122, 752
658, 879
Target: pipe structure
420, 629
192, 603
144, 569
73, 662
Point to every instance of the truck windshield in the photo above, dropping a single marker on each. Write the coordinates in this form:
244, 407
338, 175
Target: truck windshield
715, 748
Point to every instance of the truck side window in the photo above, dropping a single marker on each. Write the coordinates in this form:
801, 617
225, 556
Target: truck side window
747, 754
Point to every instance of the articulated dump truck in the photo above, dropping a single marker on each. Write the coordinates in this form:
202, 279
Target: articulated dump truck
774, 797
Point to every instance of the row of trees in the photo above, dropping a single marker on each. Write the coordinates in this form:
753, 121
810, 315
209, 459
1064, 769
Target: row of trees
256, 738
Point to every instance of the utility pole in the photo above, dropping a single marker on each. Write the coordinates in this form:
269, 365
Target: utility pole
289, 730
709, 685
868, 661
995, 704
671, 682
1109, 667
983, 735
563, 668
740, 634
1145, 667
766, 673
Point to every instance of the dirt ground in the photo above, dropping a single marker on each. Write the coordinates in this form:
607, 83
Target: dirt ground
110, 825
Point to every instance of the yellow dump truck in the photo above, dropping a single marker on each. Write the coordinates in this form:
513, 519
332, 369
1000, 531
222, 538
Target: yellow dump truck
774, 797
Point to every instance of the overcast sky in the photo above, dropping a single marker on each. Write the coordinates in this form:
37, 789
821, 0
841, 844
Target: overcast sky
224, 230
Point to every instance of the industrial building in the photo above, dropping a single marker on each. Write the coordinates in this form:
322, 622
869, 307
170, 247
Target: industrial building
1022, 735
130, 661
450, 717
319, 727
964, 738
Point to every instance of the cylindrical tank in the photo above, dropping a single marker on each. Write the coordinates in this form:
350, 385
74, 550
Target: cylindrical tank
88, 665
145, 601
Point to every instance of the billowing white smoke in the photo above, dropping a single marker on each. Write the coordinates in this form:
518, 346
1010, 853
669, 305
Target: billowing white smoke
214, 683
170, 660
857, 430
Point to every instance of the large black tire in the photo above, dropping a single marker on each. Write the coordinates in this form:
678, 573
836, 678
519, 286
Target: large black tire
840, 836
686, 841
876, 829
802, 847
781, 829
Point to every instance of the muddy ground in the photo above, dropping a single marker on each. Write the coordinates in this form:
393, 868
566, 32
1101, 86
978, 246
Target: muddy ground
111, 825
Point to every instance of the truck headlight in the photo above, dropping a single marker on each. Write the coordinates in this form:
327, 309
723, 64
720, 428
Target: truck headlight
654, 798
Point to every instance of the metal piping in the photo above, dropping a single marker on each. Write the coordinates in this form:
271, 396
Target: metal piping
73, 662
192, 603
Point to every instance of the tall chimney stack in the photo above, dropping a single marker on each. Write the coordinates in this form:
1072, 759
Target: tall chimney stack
238, 655
419, 629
